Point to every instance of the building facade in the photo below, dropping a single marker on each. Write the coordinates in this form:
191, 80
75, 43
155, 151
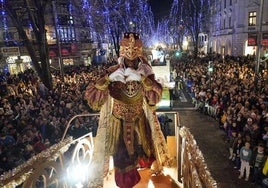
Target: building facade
69, 37
239, 27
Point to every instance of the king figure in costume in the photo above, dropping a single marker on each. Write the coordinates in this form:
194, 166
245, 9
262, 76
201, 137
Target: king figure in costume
126, 97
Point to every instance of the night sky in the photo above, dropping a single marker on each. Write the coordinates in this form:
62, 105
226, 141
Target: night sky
160, 8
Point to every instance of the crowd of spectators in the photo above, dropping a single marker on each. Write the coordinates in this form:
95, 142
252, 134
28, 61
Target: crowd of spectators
33, 118
237, 98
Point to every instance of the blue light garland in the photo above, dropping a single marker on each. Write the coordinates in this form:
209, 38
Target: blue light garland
4, 20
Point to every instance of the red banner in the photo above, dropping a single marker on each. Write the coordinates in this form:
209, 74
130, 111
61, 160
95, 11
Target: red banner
264, 41
252, 39
66, 50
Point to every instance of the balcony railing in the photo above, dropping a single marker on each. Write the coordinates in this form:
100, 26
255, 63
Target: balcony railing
70, 163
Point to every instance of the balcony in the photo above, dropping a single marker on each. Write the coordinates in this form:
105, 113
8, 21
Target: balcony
71, 163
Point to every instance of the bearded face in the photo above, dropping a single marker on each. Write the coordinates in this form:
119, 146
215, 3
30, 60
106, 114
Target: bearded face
134, 64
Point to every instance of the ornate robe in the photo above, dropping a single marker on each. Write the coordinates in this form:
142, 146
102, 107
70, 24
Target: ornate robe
128, 125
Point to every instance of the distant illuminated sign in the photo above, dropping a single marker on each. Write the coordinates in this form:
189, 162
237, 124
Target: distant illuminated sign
10, 51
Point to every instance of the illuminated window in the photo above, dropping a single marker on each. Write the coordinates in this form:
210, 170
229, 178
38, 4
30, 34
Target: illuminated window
67, 34
252, 17
65, 22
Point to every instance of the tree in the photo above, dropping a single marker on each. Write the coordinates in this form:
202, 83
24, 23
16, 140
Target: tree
140, 19
195, 15
112, 18
33, 12
176, 25
106, 19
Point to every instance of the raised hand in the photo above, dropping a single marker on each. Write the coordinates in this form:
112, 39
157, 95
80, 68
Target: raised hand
117, 75
132, 75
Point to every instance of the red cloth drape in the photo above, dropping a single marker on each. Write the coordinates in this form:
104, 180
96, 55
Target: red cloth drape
127, 179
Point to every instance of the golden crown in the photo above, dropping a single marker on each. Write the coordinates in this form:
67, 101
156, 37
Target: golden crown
131, 46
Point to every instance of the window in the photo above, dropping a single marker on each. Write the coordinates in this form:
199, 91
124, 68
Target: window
65, 22
230, 22
252, 17
231, 2
67, 34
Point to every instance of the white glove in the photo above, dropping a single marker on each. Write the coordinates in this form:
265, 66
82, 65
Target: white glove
145, 69
117, 75
132, 75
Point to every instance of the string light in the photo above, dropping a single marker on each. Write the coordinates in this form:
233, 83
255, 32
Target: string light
4, 21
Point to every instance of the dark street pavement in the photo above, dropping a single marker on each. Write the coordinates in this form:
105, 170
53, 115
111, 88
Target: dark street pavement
211, 142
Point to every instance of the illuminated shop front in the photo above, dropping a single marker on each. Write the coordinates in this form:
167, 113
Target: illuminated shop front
16, 65
13, 62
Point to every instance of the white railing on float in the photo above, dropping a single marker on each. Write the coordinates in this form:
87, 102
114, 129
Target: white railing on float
67, 163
